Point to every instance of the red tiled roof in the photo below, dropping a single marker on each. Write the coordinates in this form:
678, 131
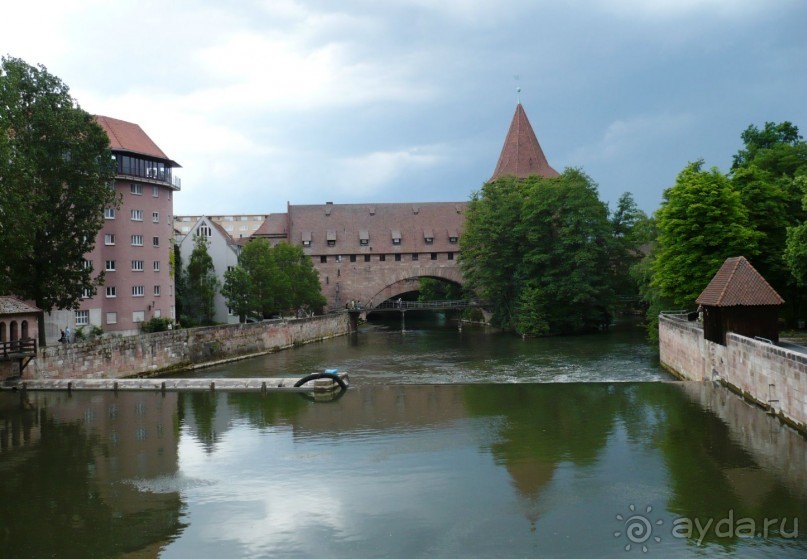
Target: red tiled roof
522, 155
377, 222
128, 136
737, 283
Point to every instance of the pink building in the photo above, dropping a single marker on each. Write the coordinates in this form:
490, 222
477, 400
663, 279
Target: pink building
134, 246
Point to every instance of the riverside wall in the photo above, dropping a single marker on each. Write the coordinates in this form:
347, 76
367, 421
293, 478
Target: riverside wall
148, 354
772, 376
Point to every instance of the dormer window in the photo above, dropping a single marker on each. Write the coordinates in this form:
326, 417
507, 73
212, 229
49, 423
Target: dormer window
396, 236
364, 237
428, 236
453, 236
331, 237
306, 238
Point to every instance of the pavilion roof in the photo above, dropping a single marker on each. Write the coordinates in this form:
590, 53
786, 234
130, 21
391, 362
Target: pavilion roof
737, 283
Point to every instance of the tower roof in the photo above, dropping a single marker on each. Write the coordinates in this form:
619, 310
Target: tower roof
522, 155
737, 283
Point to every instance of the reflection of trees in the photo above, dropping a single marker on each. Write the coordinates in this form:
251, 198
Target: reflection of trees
545, 424
51, 504
710, 474
268, 409
203, 405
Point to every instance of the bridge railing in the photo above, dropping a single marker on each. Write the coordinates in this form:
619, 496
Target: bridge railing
26, 346
422, 305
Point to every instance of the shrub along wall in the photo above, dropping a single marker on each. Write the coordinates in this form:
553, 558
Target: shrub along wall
117, 357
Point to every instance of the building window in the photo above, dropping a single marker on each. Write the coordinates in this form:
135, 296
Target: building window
87, 264
109, 239
364, 242
452, 240
156, 290
306, 243
434, 256
155, 241
398, 257
137, 240
156, 265
204, 231
109, 265
451, 256
323, 259
243, 228
228, 228
111, 318
138, 316
111, 291
352, 257
155, 217
155, 191
338, 258
137, 189
331, 243
382, 258
185, 228
109, 213
137, 215
414, 256
366, 257
429, 240
138, 291
137, 265
86, 293
396, 240
82, 318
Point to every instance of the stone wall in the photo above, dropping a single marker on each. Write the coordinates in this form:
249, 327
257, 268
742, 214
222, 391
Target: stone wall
772, 376
118, 357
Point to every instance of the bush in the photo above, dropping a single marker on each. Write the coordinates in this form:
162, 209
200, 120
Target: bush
156, 324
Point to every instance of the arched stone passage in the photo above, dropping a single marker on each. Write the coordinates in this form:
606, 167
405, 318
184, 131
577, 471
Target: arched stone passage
24, 330
398, 288
13, 332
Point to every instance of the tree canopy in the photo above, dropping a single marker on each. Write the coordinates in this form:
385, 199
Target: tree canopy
56, 173
270, 280
538, 251
701, 222
200, 285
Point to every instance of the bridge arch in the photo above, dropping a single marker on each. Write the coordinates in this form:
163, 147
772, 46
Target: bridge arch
409, 280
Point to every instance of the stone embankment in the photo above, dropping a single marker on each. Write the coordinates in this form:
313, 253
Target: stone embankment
772, 376
150, 354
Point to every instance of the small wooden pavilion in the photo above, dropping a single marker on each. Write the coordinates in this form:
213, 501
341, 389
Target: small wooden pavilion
19, 329
739, 300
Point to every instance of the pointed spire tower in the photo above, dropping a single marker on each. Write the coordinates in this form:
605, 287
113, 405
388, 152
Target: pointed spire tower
522, 155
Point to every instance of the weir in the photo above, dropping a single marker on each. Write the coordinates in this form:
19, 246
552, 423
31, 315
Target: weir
324, 382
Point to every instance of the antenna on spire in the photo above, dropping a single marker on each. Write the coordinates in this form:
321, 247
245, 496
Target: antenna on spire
518, 89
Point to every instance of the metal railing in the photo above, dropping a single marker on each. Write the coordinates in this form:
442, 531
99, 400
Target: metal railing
422, 305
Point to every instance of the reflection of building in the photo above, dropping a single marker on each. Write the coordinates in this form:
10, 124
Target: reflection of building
98, 468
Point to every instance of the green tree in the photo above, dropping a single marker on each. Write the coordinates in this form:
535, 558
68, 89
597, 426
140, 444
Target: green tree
56, 170
179, 281
629, 229
201, 284
795, 256
765, 173
537, 252
299, 278
237, 290
256, 259
701, 222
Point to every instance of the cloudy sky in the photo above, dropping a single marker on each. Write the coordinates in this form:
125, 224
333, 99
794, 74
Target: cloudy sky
307, 101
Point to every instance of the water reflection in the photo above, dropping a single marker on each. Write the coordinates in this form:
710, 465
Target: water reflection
70, 473
396, 471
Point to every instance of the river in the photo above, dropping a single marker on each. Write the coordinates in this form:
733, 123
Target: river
448, 444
